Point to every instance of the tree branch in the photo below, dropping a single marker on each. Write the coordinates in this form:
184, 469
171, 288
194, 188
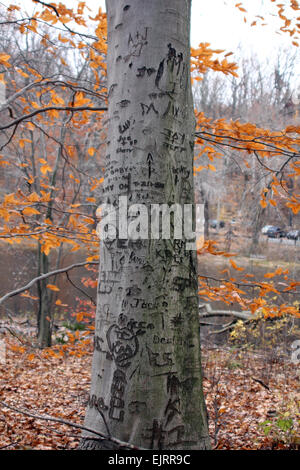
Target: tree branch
51, 108
48, 5
79, 289
43, 276
219, 139
48, 82
74, 425
225, 313
242, 284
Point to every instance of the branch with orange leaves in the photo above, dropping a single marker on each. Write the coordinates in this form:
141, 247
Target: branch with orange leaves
52, 108
256, 144
49, 81
202, 60
259, 285
259, 142
46, 18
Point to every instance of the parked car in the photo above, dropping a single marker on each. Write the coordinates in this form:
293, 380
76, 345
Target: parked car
293, 235
266, 228
216, 223
275, 232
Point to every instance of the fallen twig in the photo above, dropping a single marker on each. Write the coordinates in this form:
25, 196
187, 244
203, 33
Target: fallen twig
261, 383
9, 445
100, 435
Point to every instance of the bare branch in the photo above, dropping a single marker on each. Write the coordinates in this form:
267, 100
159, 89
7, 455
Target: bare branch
225, 313
44, 276
9, 445
79, 289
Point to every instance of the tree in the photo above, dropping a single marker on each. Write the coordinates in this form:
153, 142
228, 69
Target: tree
146, 374
46, 158
260, 96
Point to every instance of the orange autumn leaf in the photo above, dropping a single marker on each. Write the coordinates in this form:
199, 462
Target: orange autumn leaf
234, 265
45, 168
60, 304
30, 180
28, 296
52, 287
92, 258
263, 203
212, 167
79, 317
91, 151
30, 211
34, 104
199, 168
4, 58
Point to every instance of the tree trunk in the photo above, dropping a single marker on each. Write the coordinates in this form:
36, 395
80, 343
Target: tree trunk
206, 219
204, 199
146, 374
44, 312
257, 226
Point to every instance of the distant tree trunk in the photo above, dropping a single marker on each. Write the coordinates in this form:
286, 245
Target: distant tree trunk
257, 226
290, 217
45, 313
206, 219
146, 374
204, 200
44, 310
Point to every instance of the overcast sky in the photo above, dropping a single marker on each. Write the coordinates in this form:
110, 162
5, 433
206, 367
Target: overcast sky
221, 24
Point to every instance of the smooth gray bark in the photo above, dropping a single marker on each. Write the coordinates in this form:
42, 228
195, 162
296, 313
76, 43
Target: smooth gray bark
146, 373
44, 312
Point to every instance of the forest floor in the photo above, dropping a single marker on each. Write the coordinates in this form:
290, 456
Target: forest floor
242, 389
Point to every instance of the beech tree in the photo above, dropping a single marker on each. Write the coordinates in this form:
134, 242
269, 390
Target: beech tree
146, 375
